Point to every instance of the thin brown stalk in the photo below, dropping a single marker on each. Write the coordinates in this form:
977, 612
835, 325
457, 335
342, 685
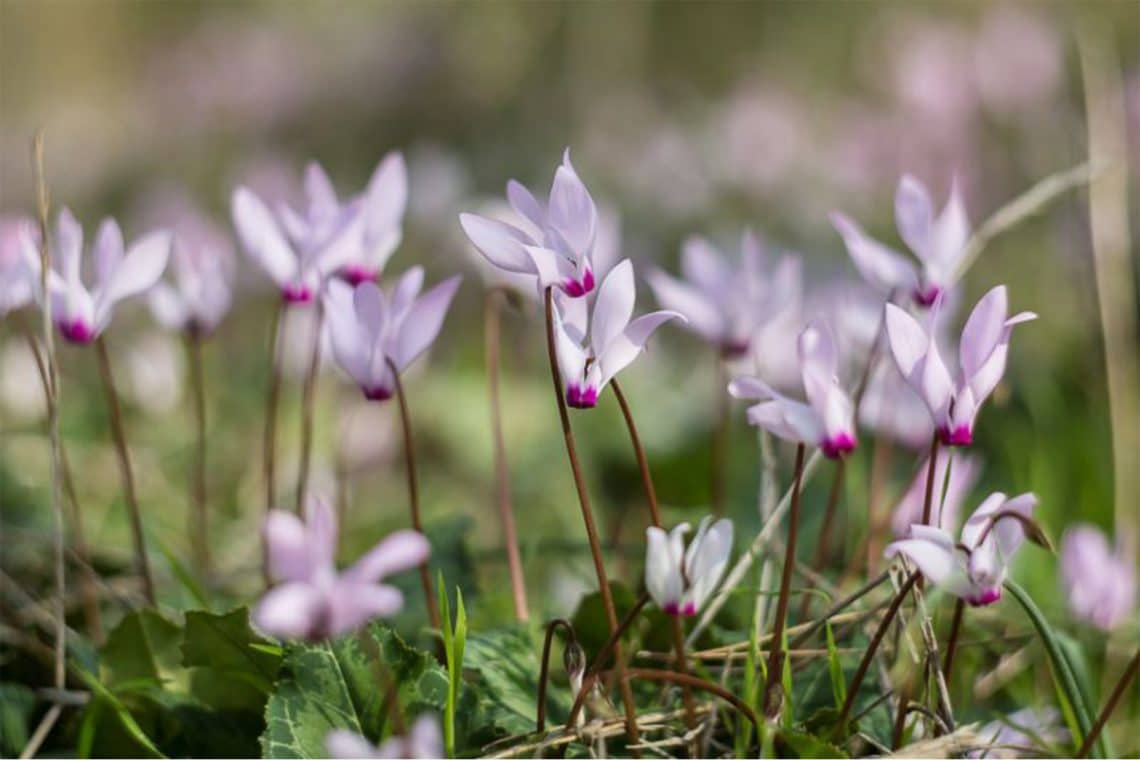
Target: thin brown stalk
952, 641
900, 715
1109, 706
877, 639
655, 520
588, 518
928, 498
773, 690
685, 679
51, 387
414, 494
720, 439
308, 400
544, 673
819, 561
118, 433
199, 527
269, 432
493, 343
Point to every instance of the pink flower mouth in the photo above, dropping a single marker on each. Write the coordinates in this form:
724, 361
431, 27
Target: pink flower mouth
689, 609
926, 296
988, 596
582, 398
577, 288
355, 274
77, 331
959, 436
734, 349
835, 448
297, 293
377, 393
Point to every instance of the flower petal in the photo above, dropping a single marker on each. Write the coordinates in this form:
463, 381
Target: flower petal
621, 351
613, 307
290, 611
703, 316
319, 191
423, 321
108, 251
261, 237
914, 216
69, 245
352, 604
385, 203
343, 744
400, 551
880, 266
983, 330
937, 559
140, 268
662, 571
321, 525
287, 545
571, 210
523, 201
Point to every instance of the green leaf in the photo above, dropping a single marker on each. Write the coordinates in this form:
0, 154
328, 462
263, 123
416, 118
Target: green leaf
128, 722
505, 664
143, 647
339, 684
591, 623
790, 743
838, 682
230, 666
16, 705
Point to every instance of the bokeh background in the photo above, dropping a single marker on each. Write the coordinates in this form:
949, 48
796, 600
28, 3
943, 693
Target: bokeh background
682, 117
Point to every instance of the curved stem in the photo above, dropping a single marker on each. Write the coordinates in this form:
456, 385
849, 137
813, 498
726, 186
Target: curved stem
1109, 706
952, 640
540, 711
269, 432
588, 517
493, 341
685, 679
414, 494
773, 690
655, 519
199, 521
125, 471
877, 639
308, 399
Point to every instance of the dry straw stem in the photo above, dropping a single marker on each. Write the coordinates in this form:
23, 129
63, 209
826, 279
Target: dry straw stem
52, 390
308, 401
1113, 266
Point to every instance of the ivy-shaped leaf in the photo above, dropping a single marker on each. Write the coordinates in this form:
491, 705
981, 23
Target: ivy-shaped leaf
142, 650
342, 684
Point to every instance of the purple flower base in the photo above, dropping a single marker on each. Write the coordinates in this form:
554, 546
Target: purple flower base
959, 436
581, 398
835, 448
77, 332
576, 288
297, 294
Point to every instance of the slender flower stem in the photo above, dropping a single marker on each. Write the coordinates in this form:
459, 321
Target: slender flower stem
685, 679
51, 389
199, 520
952, 641
540, 698
865, 663
821, 549
632, 732
877, 517
773, 690
88, 583
1109, 706
493, 343
269, 432
414, 494
928, 498
308, 399
125, 471
655, 519
720, 439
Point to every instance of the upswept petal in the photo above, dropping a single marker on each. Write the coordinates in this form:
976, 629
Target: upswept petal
662, 571
369, 306
914, 216
570, 354
907, 339
623, 349
168, 308
261, 237
951, 233
751, 388
571, 210
613, 307
707, 559
983, 330
787, 419
523, 201
704, 318
108, 251
405, 291
321, 526
880, 266
320, 193
422, 322
351, 343
343, 744
68, 246
287, 544
937, 559
704, 266
502, 244
289, 610
351, 605
140, 268
400, 551
385, 202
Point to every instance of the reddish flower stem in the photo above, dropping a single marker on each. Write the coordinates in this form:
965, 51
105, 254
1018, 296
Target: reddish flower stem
1110, 706
199, 520
544, 673
126, 473
952, 641
493, 343
773, 690
588, 518
720, 439
414, 494
269, 432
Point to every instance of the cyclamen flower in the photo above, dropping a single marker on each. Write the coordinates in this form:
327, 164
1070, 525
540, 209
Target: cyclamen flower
1100, 584
313, 601
82, 314
964, 474
372, 331
680, 580
298, 250
19, 240
557, 241
827, 420
424, 740
974, 568
614, 340
938, 242
982, 353
724, 304
202, 291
